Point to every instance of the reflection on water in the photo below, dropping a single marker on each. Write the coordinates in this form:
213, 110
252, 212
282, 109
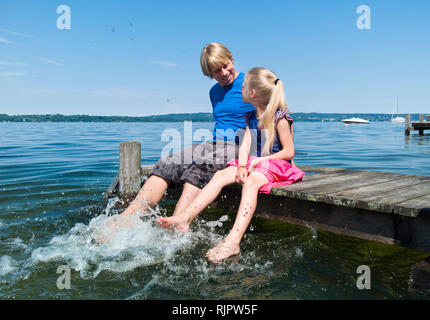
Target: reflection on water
418, 140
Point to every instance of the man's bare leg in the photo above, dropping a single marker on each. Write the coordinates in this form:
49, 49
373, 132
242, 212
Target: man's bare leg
188, 195
149, 195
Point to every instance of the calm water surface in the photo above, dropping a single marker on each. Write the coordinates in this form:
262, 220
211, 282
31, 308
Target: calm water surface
53, 177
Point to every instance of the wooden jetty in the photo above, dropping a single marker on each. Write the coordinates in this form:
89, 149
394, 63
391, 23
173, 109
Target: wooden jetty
421, 125
380, 206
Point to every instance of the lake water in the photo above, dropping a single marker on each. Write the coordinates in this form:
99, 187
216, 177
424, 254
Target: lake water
53, 177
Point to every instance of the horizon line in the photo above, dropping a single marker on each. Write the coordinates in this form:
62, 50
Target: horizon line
185, 113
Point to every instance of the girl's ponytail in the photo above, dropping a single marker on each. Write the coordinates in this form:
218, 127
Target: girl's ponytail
271, 93
276, 102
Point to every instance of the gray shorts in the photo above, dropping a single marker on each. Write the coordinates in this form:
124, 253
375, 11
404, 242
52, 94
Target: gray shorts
196, 164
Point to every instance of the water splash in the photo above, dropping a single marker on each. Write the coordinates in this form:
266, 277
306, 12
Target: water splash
128, 242
154, 262
7, 265
141, 243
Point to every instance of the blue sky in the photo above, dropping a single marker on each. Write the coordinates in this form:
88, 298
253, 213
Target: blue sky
140, 58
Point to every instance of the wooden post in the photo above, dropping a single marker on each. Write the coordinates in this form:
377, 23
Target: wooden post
421, 130
407, 124
129, 169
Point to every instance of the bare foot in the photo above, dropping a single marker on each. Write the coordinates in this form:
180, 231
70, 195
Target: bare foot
222, 251
178, 222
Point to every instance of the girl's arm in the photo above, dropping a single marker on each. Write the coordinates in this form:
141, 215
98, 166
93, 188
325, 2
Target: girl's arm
245, 147
242, 172
286, 139
285, 135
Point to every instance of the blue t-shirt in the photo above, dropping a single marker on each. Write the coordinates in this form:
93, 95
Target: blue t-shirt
252, 122
229, 109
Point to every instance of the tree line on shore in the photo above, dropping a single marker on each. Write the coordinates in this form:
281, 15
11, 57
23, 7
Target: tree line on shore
180, 117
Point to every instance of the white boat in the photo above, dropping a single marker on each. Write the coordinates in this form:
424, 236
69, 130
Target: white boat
355, 120
397, 119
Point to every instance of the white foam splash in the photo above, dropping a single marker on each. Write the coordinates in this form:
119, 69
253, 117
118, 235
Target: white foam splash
7, 265
18, 243
313, 230
218, 223
128, 242
299, 252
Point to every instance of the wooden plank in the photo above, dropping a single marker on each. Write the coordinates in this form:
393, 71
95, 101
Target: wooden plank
421, 125
312, 177
356, 182
335, 178
323, 194
386, 202
413, 205
381, 188
354, 197
321, 169
319, 176
336, 183
319, 195
402, 194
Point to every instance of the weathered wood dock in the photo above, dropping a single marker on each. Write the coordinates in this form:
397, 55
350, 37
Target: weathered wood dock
421, 125
380, 206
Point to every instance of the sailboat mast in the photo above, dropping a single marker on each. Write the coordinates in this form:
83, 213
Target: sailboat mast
397, 119
397, 105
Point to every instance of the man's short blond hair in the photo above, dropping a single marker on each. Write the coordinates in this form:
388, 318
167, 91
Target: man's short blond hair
214, 55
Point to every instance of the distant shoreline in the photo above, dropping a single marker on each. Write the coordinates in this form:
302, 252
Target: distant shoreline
196, 117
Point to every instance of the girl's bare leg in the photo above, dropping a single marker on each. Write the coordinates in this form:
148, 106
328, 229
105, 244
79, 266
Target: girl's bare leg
231, 244
181, 221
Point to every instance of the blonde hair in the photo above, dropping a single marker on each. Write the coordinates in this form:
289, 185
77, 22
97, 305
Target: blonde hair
270, 92
214, 55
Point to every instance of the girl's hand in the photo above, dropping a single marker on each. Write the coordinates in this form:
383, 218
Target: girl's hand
255, 162
241, 175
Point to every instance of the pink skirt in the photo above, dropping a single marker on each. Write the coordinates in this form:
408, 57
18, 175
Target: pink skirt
278, 172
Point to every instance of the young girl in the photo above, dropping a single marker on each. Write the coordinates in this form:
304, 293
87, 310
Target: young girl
272, 168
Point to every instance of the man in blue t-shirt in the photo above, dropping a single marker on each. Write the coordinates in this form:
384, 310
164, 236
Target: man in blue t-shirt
229, 108
208, 157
